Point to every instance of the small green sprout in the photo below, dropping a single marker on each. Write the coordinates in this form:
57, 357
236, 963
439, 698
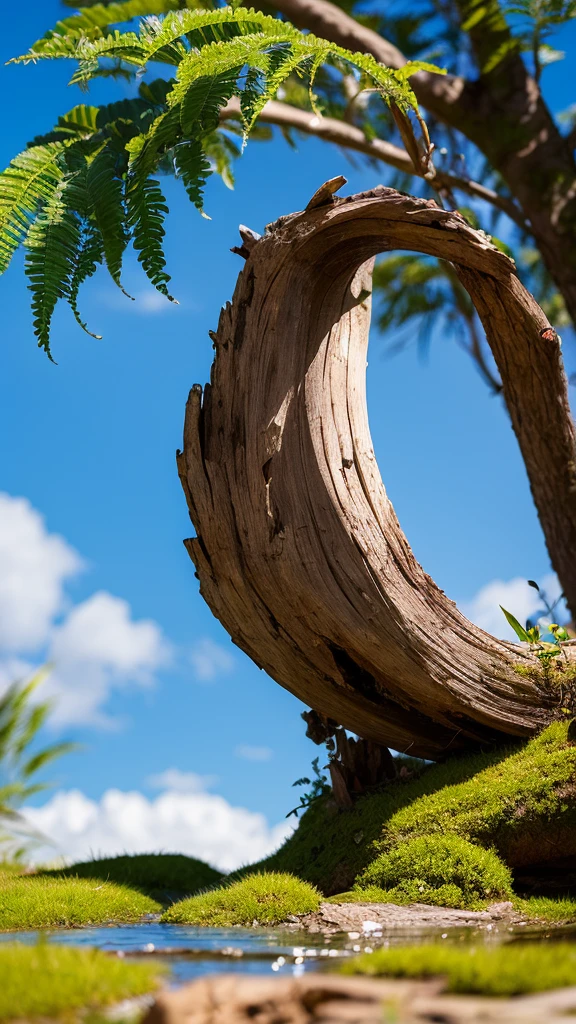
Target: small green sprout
543, 649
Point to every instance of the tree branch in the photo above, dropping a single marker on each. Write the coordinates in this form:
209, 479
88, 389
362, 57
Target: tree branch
502, 113
350, 137
438, 93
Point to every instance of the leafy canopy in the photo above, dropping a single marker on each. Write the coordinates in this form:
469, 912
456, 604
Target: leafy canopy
77, 196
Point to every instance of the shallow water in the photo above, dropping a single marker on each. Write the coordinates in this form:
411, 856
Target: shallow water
191, 952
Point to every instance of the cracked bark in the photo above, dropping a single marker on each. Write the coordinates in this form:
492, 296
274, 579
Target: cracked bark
298, 549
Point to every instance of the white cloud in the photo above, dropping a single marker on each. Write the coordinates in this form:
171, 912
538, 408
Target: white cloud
182, 782
209, 659
253, 753
199, 824
95, 646
146, 301
514, 595
34, 566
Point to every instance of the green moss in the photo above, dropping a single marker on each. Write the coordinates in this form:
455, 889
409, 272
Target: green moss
66, 979
505, 970
35, 901
444, 870
513, 799
550, 911
153, 873
502, 804
262, 898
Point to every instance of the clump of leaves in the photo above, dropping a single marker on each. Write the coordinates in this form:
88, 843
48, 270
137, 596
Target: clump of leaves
537, 20
21, 718
532, 633
318, 787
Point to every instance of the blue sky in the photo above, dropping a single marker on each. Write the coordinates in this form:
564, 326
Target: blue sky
90, 444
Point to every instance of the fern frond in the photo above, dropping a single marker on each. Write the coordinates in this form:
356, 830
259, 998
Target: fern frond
281, 64
221, 152
106, 193
51, 244
203, 27
94, 23
89, 254
194, 169
146, 150
200, 109
30, 180
146, 211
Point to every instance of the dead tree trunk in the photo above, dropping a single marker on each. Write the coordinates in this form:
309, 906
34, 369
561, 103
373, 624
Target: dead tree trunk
298, 550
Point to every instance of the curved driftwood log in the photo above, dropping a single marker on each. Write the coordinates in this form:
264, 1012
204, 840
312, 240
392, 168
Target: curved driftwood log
298, 549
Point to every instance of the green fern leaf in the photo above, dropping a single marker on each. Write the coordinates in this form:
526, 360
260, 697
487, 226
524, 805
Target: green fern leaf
221, 152
194, 169
200, 108
52, 242
146, 211
89, 253
30, 180
94, 23
106, 192
88, 256
145, 151
200, 28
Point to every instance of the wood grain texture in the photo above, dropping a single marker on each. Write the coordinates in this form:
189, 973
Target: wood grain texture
298, 549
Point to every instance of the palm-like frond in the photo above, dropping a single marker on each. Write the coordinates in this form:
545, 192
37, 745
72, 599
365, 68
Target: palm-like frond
21, 718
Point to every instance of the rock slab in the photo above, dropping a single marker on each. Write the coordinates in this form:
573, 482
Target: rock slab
331, 918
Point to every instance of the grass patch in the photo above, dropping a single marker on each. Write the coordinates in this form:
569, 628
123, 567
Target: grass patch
66, 979
445, 871
542, 908
506, 970
261, 898
511, 799
34, 901
153, 873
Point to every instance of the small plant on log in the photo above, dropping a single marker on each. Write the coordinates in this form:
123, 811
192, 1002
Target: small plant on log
318, 787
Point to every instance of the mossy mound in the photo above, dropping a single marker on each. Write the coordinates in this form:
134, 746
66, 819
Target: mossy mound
528, 794
521, 801
156, 874
35, 901
66, 979
506, 970
445, 871
259, 898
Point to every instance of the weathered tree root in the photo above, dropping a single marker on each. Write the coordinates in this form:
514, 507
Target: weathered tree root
298, 549
233, 999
